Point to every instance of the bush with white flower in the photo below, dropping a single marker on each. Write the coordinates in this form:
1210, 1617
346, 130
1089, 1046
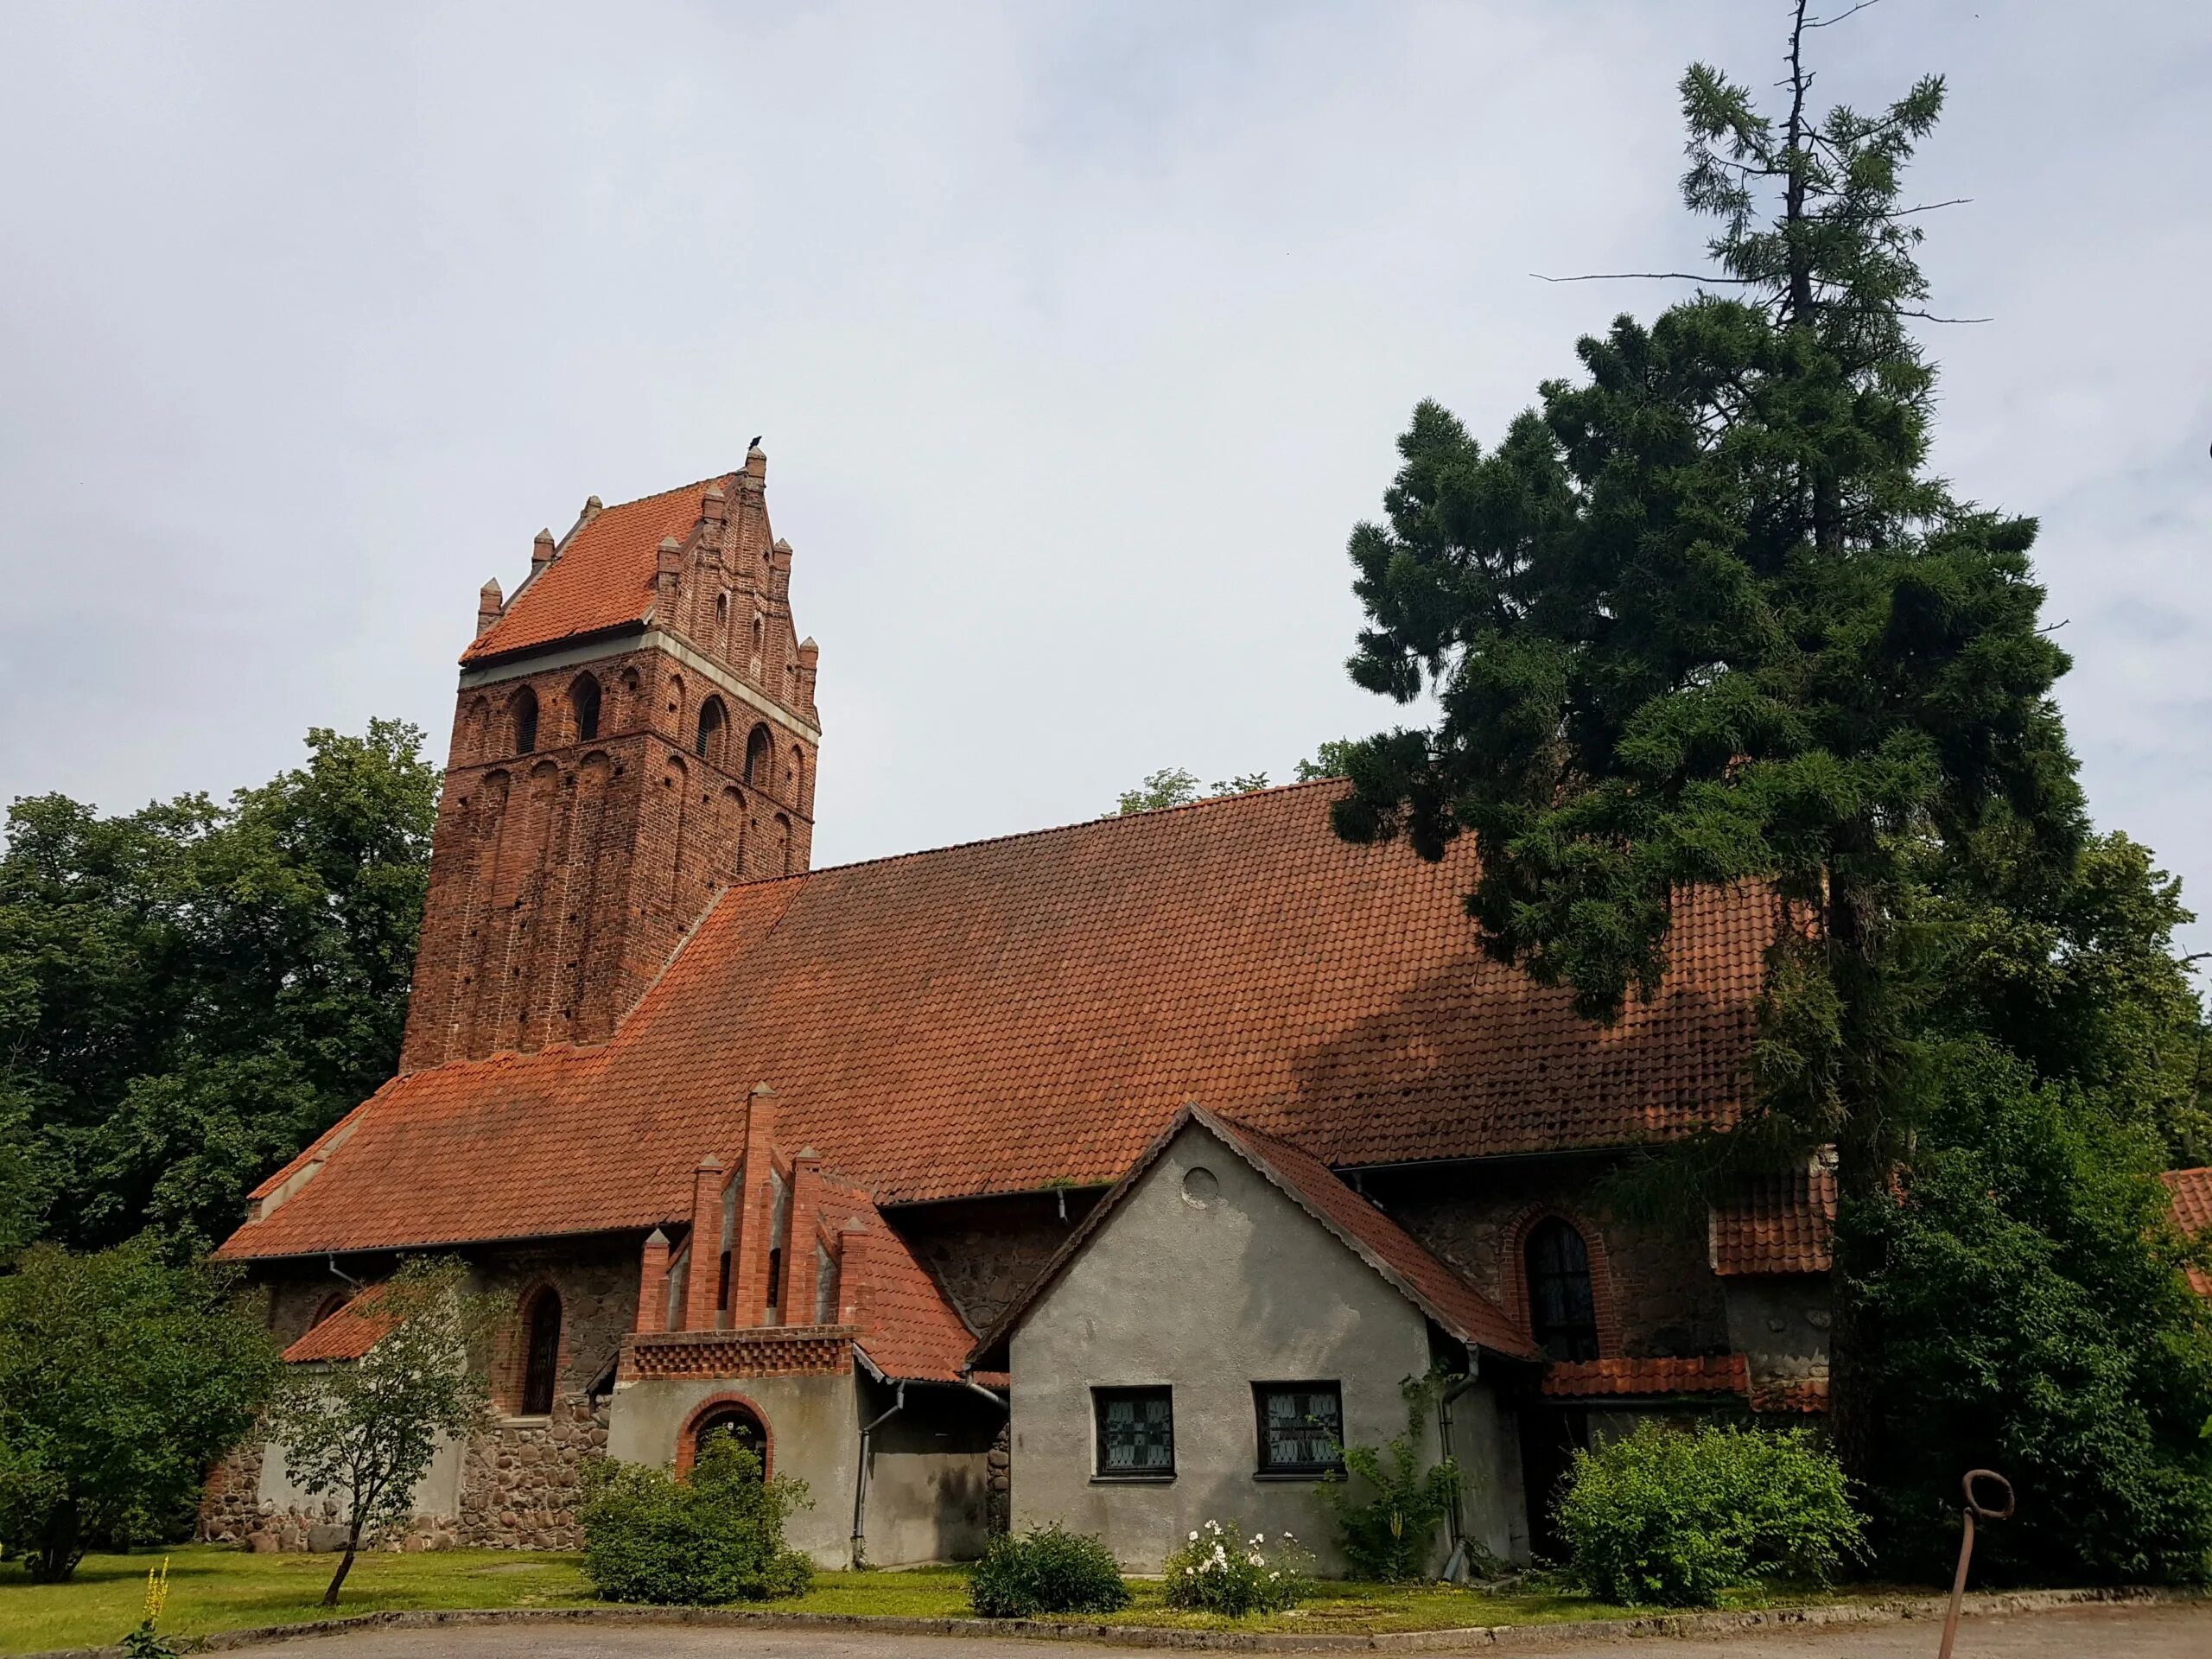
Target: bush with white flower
1224, 1569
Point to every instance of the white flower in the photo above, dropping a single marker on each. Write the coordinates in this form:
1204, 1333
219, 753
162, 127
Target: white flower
1194, 1537
1256, 1559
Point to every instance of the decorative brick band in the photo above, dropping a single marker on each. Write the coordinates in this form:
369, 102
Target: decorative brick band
1584, 1379
771, 1351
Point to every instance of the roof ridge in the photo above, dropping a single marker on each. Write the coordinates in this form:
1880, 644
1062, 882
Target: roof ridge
1212, 801
677, 489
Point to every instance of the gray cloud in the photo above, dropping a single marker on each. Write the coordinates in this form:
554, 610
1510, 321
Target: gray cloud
1080, 335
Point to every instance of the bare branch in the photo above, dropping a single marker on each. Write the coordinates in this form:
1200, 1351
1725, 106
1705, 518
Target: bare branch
1822, 22
1928, 206
1635, 276
1929, 316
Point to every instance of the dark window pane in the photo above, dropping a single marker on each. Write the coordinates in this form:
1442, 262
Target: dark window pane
542, 1356
1302, 1427
1136, 1431
1563, 1312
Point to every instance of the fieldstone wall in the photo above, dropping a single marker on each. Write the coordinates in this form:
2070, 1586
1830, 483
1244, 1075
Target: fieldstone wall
521, 1477
985, 1252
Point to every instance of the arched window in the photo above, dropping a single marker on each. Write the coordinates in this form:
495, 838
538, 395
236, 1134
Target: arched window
1563, 1312
541, 1354
583, 705
524, 709
760, 756
738, 1422
330, 1304
708, 743
783, 844
795, 779
721, 618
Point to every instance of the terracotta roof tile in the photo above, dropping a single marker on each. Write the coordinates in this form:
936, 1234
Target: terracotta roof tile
904, 1324
603, 575
1784, 1223
1590, 1378
347, 1333
2192, 1191
1004, 1015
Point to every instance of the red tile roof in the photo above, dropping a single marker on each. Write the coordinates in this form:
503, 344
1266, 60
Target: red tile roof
603, 576
347, 1333
906, 1327
2192, 1191
1785, 1224
1408, 1268
1012, 1013
1589, 1378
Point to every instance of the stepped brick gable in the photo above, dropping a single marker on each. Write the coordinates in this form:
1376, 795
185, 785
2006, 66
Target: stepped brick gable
636, 729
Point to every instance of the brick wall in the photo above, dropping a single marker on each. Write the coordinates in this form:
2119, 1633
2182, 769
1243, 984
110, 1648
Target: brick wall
562, 878
1657, 1292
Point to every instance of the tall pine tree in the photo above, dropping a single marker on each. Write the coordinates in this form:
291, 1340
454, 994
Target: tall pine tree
1705, 617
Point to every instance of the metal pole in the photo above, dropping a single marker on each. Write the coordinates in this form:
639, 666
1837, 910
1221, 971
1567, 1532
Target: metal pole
1974, 1506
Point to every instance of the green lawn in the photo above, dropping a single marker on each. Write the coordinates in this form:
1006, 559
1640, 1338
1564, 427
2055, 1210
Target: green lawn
215, 1589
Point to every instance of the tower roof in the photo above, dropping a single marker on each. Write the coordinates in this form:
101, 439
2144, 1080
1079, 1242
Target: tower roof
603, 575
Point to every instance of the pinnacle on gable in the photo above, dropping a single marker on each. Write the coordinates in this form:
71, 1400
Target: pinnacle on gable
541, 550
711, 504
488, 601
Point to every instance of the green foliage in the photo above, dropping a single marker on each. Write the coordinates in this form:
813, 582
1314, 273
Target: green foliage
1331, 760
1388, 1534
189, 992
2027, 1278
365, 1430
715, 1537
1219, 1570
121, 1379
1169, 786
1674, 1517
1173, 786
1047, 1570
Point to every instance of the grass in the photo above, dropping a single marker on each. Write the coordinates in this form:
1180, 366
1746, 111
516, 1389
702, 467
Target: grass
216, 1589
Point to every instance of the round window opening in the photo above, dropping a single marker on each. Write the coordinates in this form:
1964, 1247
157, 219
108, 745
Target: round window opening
1200, 1187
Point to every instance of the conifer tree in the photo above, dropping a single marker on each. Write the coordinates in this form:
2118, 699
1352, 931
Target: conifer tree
1705, 617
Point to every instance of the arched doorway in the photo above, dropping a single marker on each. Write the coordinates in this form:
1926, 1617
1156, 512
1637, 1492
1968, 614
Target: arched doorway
731, 1417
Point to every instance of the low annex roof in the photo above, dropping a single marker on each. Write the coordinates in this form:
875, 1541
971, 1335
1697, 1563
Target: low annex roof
1783, 1224
1017, 1013
1394, 1253
603, 576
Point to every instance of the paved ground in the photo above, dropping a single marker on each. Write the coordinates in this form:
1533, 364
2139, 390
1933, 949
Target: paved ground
2089, 1633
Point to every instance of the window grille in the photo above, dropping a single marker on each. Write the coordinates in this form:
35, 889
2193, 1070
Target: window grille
1563, 1312
1136, 1432
1302, 1427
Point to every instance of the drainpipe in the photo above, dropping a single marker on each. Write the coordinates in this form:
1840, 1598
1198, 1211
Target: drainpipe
859, 1480
1455, 1566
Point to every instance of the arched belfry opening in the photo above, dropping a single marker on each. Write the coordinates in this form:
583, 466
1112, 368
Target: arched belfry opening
583, 707
707, 739
759, 757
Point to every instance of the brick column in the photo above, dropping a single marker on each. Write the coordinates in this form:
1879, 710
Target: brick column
855, 1244
756, 1214
800, 1262
653, 1284
706, 1245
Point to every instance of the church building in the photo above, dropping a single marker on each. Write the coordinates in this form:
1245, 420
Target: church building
1117, 1174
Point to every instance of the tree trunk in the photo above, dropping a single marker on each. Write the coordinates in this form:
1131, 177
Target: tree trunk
345, 1564
1864, 1160
60, 1546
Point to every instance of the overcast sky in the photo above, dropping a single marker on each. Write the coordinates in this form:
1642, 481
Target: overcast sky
1079, 335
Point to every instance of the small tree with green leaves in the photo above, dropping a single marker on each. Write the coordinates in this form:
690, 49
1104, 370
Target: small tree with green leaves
123, 1377
365, 1430
1388, 1530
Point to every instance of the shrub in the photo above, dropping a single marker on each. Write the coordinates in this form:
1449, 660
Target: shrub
1390, 1536
717, 1537
1218, 1570
1676, 1518
1046, 1571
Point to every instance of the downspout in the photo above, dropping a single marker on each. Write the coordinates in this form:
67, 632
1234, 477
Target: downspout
1455, 1566
859, 1480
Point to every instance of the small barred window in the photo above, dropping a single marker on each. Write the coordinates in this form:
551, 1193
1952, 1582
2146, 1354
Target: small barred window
1136, 1432
1302, 1427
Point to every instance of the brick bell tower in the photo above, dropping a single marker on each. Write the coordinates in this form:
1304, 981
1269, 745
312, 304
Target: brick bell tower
636, 729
